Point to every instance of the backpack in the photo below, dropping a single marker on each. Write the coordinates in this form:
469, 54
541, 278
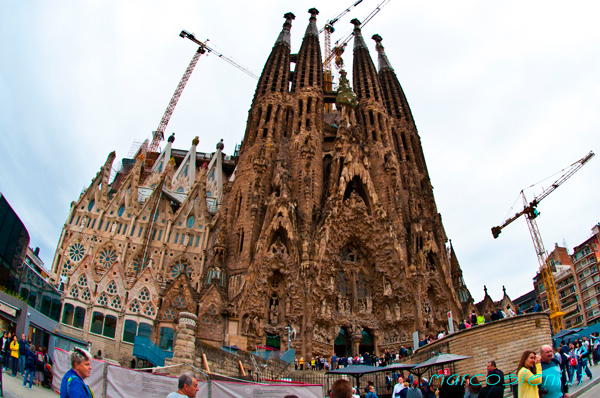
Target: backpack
473, 319
30, 362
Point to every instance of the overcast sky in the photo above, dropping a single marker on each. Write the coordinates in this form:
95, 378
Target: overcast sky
504, 94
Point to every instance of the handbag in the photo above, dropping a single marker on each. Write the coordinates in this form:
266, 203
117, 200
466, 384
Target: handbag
573, 362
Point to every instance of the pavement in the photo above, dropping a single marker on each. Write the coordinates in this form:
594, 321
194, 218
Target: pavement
12, 387
587, 384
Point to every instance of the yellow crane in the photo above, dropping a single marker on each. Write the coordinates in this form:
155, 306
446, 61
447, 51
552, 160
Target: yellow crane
530, 211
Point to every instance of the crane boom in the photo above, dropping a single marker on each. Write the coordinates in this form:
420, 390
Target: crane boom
530, 208
531, 213
338, 50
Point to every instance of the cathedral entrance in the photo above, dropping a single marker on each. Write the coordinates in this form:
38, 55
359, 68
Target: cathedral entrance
367, 343
342, 345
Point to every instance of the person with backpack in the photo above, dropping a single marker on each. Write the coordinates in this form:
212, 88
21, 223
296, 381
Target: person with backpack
30, 363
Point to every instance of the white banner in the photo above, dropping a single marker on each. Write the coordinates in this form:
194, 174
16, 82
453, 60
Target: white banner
224, 389
128, 383
62, 364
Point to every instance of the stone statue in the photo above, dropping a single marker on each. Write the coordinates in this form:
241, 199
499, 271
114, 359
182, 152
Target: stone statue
83, 222
113, 229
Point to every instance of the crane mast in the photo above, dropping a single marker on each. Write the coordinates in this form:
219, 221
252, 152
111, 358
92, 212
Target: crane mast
328, 30
530, 211
159, 135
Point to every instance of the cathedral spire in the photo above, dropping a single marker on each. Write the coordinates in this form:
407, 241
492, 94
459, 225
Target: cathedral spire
393, 95
364, 74
284, 36
312, 29
384, 62
309, 66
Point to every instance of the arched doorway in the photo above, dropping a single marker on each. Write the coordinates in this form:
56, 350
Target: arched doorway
343, 344
367, 343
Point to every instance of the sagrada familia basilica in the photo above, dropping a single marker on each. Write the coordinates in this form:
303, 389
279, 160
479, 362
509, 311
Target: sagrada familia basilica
322, 229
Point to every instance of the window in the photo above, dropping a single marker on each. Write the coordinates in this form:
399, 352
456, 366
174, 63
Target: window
167, 338
104, 325
121, 210
144, 295
191, 221
73, 316
132, 329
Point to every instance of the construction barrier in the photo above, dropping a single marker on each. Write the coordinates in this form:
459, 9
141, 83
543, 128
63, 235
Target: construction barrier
110, 381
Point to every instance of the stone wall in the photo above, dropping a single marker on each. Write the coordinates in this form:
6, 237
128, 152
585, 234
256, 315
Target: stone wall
502, 341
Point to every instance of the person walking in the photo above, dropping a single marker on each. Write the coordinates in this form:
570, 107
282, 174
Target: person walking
14, 353
529, 375
39, 366
72, 384
29, 368
581, 354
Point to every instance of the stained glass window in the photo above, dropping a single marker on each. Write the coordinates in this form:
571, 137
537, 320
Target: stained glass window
107, 258
76, 252
136, 264
179, 301
74, 292
91, 205
112, 288
102, 300
134, 307
82, 281
212, 310
149, 310
85, 295
170, 314
191, 221
144, 295
116, 303
121, 210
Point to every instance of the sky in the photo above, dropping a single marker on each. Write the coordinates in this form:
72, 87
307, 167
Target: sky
504, 94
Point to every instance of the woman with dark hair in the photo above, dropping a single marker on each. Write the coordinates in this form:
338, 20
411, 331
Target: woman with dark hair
472, 387
529, 375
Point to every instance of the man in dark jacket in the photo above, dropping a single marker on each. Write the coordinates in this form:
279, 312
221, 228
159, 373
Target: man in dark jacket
23, 346
493, 370
30, 362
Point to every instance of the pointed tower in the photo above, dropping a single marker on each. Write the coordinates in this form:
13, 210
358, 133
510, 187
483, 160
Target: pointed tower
264, 119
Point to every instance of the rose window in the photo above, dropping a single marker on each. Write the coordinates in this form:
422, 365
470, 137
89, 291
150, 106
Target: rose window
170, 314
136, 264
85, 295
82, 281
107, 258
178, 269
76, 252
144, 295
74, 292
112, 288
102, 300
149, 310
179, 301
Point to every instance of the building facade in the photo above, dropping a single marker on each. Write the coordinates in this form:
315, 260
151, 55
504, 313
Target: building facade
585, 264
323, 228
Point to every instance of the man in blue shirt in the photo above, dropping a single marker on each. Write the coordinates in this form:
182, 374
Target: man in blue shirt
554, 377
72, 384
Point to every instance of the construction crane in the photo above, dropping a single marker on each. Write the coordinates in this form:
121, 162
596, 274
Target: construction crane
159, 135
530, 211
328, 29
339, 47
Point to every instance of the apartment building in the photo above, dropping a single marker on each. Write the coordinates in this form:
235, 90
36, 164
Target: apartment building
585, 263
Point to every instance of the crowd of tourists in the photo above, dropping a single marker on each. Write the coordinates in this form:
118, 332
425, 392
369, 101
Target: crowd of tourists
548, 373
334, 362
22, 358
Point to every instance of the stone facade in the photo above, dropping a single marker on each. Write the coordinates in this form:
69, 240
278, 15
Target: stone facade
502, 341
328, 225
